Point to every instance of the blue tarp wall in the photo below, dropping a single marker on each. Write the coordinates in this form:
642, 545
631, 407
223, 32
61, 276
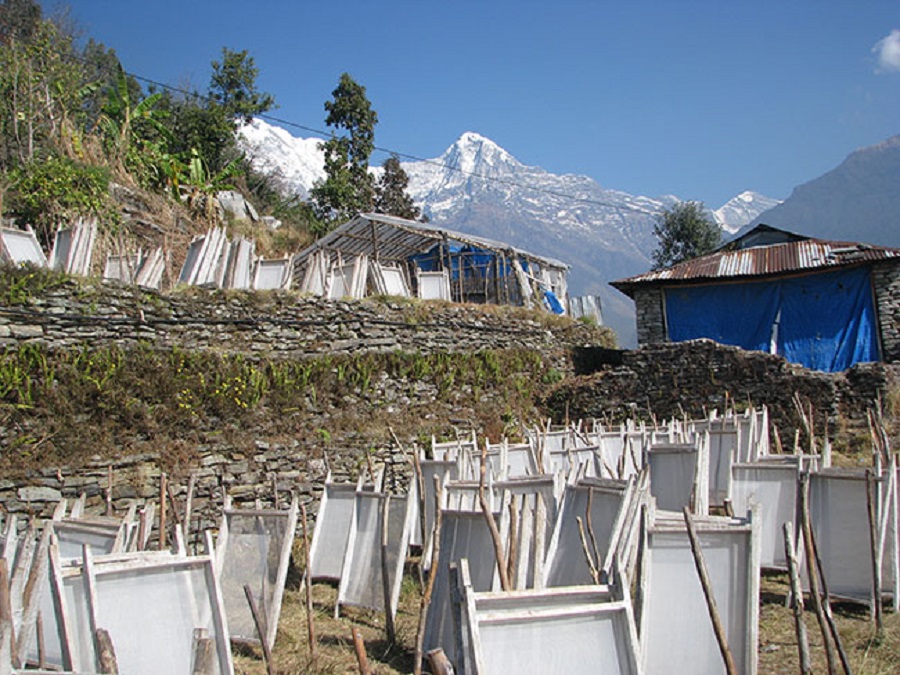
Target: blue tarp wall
475, 261
825, 321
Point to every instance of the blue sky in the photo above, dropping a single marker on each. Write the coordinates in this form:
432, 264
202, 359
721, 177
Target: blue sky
697, 98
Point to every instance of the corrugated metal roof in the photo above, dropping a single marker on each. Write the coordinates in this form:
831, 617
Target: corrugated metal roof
392, 238
772, 260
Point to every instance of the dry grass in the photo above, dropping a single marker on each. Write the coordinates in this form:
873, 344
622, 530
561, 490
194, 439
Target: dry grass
868, 654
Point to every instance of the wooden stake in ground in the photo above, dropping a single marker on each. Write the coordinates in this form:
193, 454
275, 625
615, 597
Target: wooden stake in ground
812, 572
7, 627
700, 564
429, 587
257, 621
492, 524
361, 657
106, 655
871, 510
790, 554
310, 627
439, 663
385, 577
109, 489
162, 511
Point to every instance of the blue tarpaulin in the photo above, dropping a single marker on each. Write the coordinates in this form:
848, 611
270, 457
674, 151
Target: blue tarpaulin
475, 261
824, 321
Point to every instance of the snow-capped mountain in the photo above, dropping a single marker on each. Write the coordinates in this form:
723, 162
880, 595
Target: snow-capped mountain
477, 187
296, 162
741, 210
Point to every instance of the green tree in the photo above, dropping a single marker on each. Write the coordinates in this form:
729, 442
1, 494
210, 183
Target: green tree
390, 193
233, 86
19, 19
684, 231
348, 187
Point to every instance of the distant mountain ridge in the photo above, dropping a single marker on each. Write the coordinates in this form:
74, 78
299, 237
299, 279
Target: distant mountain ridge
857, 201
477, 187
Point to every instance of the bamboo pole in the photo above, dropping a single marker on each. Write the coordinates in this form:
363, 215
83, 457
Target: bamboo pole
705, 583
310, 626
790, 554
429, 587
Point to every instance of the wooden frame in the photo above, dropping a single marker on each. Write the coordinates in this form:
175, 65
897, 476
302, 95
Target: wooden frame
580, 629
731, 549
363, 552
234, 572
329, 540
89, 598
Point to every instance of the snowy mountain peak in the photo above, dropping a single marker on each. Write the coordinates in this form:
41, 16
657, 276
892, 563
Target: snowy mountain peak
740, 210
473, 152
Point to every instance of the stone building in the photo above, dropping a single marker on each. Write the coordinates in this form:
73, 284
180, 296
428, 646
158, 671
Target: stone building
823, 304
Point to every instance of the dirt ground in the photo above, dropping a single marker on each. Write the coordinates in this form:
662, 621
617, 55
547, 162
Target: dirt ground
867, 653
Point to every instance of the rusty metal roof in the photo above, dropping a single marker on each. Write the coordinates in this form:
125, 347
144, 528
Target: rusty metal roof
391, 238
789, 257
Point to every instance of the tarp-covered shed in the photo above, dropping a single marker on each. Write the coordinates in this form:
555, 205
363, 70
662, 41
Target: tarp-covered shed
825, 305
477, 270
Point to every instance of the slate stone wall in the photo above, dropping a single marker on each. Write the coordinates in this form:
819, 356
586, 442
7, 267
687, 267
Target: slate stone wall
689, 378
886, 282
279, 325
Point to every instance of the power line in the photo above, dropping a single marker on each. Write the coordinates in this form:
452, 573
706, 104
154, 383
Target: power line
432, 162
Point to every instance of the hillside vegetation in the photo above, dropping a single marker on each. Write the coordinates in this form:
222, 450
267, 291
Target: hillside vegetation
80, 137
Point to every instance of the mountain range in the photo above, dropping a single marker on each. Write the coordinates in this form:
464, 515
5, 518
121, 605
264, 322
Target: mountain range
857, 201
479, 188
476, 186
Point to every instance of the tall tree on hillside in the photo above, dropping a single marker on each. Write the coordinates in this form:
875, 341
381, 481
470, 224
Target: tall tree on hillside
18, 20
348, 187
390, 194
233, 86
684, 231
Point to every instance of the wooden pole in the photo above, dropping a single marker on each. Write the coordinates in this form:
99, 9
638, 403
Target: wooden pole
257, 622
361, 657
162, 511
790, 554
429, 587
439, 663
109, 489
513, 555
385, 576
310, 626
492, 525
874, 558
106, 653
189, 507
204, 653
7, 626
420, 485
705, 583
812, 572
